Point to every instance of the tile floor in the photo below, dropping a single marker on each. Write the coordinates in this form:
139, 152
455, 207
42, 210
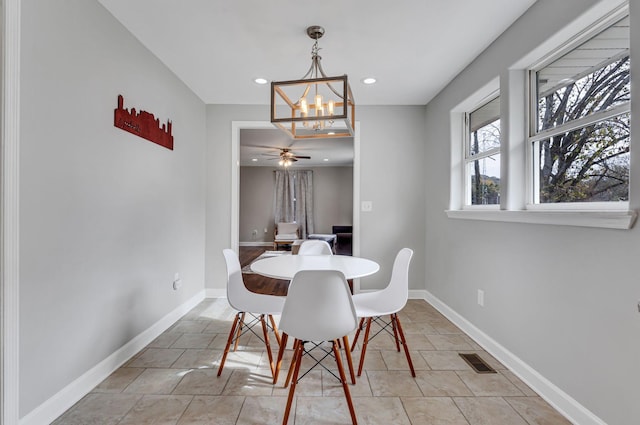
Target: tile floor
173, 381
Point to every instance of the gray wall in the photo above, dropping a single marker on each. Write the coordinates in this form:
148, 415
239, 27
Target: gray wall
106, 218
332, 194
562, 299
395, 185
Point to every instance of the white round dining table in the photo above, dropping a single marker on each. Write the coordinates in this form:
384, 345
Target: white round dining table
286, 266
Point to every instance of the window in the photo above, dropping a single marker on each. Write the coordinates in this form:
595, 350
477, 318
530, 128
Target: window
580, 122
482, 155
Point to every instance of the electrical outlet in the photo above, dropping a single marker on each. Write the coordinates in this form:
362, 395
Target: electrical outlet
255, 232
366, 206
177, 282
480, 297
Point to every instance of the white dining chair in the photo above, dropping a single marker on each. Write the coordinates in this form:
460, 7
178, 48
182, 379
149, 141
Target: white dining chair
315, 247
319, 308
258, 306
373, 306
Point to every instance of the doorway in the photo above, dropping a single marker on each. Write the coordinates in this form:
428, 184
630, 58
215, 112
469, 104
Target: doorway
235, 182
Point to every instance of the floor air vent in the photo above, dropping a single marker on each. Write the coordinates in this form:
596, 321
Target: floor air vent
477, 363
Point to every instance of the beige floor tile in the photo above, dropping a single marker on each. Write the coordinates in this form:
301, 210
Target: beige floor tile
207, 410
450, 342
156, 381
441, 383
103, 409
165, 340
444, 327
444, 360
380, 411
411, 328
433, 411
157, 410
157, 357
189, 326
372, 360
241, 359
309, 385
518, 383
202, 382
536, 411
181, 366
221, 327
200, 340
199, 358
321, 411
258, 382
488, 411
488, 384
118, 380
331, 387
393, 384
264, 410
398, 360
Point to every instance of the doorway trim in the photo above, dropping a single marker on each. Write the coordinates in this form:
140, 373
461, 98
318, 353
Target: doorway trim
9, 225
236, 126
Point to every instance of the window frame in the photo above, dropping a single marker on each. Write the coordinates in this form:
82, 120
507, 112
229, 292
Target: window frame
512, 83
468, 158
534, 136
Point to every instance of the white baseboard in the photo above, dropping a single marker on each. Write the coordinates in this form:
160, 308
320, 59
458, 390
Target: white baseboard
215, 293
561, 401
48, 411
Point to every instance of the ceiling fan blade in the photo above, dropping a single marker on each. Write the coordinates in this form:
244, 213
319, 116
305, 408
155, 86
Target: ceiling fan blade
302, 157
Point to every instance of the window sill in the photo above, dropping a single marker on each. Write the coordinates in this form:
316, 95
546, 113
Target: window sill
602, 219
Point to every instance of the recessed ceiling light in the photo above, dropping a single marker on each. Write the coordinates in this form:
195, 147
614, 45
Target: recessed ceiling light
326, 160
369, 80
254, 159
260, 80
331, 133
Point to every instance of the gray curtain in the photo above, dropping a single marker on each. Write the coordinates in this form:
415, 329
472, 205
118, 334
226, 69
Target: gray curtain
283, 197
304, 201
293, 199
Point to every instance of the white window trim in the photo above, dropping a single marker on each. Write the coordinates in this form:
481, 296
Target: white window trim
614, 215
467, 158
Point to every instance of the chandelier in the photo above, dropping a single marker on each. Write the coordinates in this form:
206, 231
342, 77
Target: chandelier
315, 106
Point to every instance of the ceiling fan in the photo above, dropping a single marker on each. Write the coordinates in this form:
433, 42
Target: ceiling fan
287, 158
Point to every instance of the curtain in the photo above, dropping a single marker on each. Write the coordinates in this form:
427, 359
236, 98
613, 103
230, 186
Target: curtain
283, 198
304, 202
293, 199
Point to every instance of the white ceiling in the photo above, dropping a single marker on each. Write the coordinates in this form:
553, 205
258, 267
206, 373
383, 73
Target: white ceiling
413, 47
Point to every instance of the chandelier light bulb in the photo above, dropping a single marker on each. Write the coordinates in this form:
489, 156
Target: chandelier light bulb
318, 101
331, 106
304, 107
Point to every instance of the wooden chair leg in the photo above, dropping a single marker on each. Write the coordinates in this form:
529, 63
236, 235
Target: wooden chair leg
235, 346
275, 328
265, 333
283, 346
364, 346
345, 387
355, 338
296, 343
404, 343
347, 351
232, 333
395, 333
297, 356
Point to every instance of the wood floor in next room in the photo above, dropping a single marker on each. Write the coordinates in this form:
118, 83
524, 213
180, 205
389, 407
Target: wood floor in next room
173, 380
